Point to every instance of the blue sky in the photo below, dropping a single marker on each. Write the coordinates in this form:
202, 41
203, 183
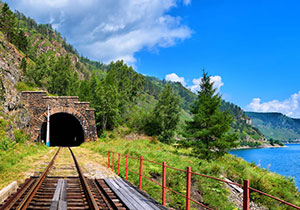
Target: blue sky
251, 47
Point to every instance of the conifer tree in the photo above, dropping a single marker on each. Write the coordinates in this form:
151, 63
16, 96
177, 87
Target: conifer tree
7, 22
165, 117
209, 128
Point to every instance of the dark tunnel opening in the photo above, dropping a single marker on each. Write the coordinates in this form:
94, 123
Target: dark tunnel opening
65, 130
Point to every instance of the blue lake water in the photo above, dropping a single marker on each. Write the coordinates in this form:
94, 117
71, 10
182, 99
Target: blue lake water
284, 160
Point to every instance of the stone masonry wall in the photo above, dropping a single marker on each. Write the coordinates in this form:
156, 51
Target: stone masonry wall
36, 102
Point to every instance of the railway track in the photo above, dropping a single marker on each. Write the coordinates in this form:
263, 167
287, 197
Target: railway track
63, 186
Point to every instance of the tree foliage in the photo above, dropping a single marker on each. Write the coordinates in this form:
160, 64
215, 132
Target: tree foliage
209, 128
8, 25
165, 116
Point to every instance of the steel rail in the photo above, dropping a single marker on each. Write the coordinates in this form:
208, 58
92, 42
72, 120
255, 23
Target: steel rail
28, 197
13, 199
90, 198
105, 195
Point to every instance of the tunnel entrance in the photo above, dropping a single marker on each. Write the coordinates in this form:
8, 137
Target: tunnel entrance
65, 130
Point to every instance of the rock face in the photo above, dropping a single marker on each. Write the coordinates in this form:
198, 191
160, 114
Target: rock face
10, 75
37, 105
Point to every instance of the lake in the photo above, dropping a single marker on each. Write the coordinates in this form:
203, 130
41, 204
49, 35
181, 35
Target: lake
284, 160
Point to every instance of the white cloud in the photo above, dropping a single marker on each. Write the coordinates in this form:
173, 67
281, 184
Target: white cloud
217, 80
109, 30
187, 2
289, 107
175, 78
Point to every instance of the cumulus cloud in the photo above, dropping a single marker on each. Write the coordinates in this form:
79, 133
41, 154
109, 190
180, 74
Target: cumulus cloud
109, 30
289, 107
186, 2
217, 80
175, 78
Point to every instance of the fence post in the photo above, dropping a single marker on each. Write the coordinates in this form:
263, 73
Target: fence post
108, 161
126, 173
246, 195
141, 172
188, 187
119, 160
164, 184
113, 161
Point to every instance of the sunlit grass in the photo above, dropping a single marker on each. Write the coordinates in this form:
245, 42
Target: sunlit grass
208, 191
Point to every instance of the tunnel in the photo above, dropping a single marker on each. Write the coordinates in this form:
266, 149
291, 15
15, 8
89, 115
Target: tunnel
65, 130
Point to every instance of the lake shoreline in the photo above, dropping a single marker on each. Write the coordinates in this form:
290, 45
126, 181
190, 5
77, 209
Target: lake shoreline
281, 160
259, 147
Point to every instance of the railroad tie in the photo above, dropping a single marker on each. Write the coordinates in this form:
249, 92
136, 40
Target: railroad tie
59, 200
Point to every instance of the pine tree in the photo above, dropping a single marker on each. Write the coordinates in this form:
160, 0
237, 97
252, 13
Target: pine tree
166, 115
209, 128
7, 22
23, 64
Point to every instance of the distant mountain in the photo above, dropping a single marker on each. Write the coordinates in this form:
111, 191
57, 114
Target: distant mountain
276, 125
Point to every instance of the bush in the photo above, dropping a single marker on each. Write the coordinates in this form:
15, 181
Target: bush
20, 136
6, 143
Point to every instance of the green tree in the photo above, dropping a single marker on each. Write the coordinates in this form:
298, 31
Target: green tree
62, 77
21, 41
8, 22
23, 64
106, 103
129, 85
209, 128
165, 116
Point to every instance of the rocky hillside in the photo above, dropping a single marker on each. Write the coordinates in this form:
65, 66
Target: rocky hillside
276, 125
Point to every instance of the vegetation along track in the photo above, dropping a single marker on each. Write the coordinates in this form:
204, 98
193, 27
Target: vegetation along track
63, 186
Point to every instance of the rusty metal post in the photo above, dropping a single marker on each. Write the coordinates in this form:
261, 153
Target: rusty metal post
108, 161
164, 184
126, 173
188, 187
119, 160
141, 172
246, 194
113, 161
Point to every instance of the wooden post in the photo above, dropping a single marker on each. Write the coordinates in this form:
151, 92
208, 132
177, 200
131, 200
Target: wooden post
126, 173
113, 161
108, 161
141, 172
119, 160
164, 184
246, 195
188, 187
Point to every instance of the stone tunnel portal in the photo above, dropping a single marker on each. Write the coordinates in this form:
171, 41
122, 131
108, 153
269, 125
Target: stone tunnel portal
72, 122
65, 130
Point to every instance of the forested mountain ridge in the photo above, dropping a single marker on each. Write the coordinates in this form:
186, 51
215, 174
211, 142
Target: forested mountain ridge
276, 125
35, 56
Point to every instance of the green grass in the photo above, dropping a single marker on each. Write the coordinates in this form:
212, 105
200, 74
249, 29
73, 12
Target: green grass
22, 86
17, 155
210, 192
17, 159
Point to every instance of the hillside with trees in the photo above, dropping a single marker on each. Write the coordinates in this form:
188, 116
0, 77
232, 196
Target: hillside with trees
276, 125
120, 95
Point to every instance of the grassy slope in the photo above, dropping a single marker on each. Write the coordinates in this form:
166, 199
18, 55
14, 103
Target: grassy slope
210, 192
19, 159
16, 156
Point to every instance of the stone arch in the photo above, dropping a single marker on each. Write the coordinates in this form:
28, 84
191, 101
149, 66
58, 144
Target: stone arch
81, 119
37, 102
